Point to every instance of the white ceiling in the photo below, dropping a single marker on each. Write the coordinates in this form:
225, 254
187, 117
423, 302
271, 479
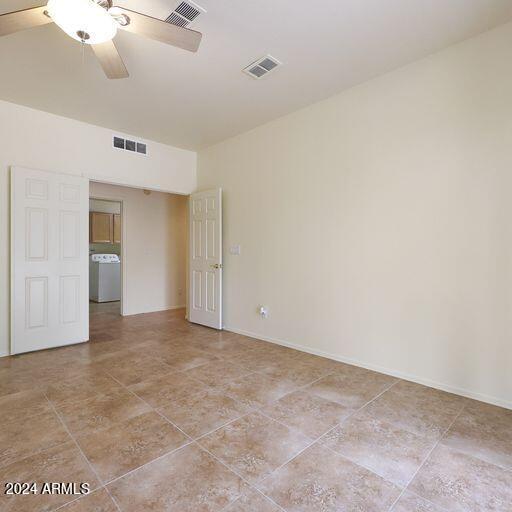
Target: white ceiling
194, 100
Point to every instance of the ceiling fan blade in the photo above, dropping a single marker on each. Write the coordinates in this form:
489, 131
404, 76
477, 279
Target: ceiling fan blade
162, 31
21, 20
110, 60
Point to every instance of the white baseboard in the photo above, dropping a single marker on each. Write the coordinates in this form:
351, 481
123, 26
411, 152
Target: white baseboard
405, 376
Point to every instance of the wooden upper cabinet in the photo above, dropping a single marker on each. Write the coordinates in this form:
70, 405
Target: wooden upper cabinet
117, 228
101, 228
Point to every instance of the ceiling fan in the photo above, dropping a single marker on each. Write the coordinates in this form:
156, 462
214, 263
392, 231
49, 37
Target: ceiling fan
95, 22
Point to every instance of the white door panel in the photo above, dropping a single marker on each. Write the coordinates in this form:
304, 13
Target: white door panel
49, 260
205, 301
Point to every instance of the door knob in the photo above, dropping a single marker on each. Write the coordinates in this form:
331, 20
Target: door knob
217, 265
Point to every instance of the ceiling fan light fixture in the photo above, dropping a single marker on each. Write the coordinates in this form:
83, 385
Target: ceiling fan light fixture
82, 18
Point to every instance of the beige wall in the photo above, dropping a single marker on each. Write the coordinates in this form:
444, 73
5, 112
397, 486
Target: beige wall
38, 140
377, 225
155, 246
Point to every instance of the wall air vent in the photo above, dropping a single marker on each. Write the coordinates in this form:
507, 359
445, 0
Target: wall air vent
130, 145
262, 67
185, 13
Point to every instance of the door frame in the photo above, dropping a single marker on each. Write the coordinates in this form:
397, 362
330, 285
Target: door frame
123, 243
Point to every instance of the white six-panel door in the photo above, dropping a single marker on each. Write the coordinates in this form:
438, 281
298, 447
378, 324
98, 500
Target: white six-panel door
49, 260
205, 258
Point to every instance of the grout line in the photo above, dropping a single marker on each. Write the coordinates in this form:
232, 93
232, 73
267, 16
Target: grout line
109, 482
427, 457
253, 410
257, 409
192, 440
435, 505
104, 485
188, 443
152, 408
82, 453
252, 486
202, 436
329, 431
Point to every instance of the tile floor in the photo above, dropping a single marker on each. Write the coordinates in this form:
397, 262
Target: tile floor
160, 415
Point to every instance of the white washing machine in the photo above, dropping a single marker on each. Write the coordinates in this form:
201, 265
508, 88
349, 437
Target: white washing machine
104, 278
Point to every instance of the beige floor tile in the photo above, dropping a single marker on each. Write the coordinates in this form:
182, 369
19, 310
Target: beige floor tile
100, 412
349, 370
14, 380
21, 406
50, 357
217, 373
257, 390
421, 410
252, 501
204, 411
319, 480
19, 439
90, 384
63, 463
16, 363
97, 501
184, 358
353, 389
223, 348
310, 414
316, 361
461, 483
297, 374
189, 480
129, 444
258, 360
95, 351
391, 452
133, 368
254, 445
50, 375
408, 502
161, 391
484, 431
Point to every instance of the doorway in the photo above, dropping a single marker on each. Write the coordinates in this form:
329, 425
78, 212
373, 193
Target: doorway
105, 256
139, 239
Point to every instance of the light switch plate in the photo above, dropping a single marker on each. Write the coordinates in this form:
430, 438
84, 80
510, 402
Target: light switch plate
235, 250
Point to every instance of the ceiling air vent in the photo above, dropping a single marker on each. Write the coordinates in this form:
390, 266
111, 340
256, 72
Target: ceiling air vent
185, 13
262, 67
130, 145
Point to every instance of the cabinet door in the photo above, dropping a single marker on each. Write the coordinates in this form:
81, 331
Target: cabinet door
101, 228
117, 228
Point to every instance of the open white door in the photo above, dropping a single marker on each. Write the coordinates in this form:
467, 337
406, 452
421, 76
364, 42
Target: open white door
49, 260
205, 296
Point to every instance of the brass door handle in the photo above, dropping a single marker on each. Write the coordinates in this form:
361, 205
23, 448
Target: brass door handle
217, 265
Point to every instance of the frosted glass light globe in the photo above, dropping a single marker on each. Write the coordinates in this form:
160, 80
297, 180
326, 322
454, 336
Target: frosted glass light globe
79, 17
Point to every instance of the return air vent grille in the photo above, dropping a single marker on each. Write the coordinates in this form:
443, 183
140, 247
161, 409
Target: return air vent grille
129, 145
185, 14
262, 67
174, 19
